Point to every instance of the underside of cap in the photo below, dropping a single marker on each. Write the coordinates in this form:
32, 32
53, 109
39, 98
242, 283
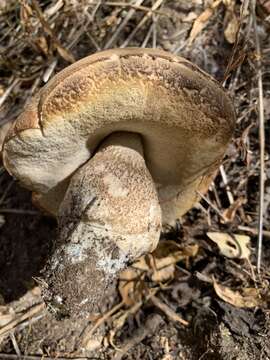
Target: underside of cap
184, 117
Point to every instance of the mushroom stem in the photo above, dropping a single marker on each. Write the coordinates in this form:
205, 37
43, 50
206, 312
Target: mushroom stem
110, 215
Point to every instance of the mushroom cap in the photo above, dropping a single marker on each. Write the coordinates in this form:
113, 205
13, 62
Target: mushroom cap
3, 132
184, 117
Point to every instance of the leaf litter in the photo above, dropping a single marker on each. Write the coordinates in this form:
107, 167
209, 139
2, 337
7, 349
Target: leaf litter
186, 276
232, 246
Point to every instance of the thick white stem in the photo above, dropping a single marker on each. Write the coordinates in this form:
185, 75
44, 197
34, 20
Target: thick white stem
110, 215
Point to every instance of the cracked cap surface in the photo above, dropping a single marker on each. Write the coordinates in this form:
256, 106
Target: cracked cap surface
183, 115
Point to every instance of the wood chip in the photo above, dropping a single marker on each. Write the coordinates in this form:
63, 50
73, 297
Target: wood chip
168, 311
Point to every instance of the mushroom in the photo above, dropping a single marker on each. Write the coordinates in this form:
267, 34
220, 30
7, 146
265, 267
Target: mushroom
115, 145
3, 132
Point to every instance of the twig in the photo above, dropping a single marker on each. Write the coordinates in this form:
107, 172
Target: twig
15, 344
121, 320
150, 327
181, 46
233, 61
89, 332
212, 206
214, 190
137, 7
20, 211
147, 37
93, 13
141, 23
38, 357
30, 322
31, 312
254, 231
226, 183
2, 198
8, 91
63, 52
48, 72
261, 136
129, 15
168, 311
154, 18
130, 311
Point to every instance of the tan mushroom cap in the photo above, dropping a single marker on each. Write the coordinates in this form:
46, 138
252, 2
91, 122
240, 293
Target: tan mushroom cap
184, 117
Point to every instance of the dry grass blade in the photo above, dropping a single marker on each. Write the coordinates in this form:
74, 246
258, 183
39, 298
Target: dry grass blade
141, 23
38, 357
202, 21
148, 35
15, 344
8, 91
212, 206
137, 7
261, 135
235, 60
129, 15
226, 183
28, 314
253, 231
64, 53
20, 211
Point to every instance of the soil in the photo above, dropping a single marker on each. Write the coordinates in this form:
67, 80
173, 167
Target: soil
217, 329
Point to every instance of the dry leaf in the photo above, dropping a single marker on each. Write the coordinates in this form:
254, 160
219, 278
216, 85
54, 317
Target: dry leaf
7, 314
229, 213
53, 8
42, 44
25, 12
247, 298
119, 321
131, 281
166, 256
244, 144
169, 251
65, 54
231, 23
265, 4
94, 343
231, 246
131, 285
202, 20
231, 29
191, 16
159, 266
164, 274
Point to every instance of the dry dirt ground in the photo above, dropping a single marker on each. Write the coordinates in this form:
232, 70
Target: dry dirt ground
195, 298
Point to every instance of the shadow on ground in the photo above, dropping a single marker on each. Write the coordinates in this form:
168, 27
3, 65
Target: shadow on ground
25, 241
